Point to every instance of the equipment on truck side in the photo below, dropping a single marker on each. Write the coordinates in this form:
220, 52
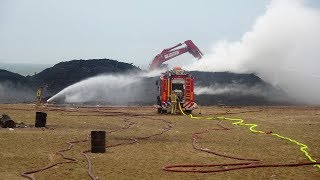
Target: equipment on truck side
170, 53
181, 83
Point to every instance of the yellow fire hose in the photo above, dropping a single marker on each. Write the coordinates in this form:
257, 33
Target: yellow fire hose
238, 121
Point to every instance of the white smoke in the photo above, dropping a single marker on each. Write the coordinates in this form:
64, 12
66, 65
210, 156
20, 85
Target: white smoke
282, 48
110, 89
237, 89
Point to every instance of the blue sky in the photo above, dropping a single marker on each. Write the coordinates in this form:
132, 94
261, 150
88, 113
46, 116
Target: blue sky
47, 32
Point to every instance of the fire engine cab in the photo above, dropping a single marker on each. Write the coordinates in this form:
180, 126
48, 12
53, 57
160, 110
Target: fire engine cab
182, 83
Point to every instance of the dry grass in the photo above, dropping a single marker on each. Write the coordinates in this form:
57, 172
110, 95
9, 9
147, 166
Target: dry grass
31, 148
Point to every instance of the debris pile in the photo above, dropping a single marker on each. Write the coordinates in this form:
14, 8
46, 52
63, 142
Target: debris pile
7, 122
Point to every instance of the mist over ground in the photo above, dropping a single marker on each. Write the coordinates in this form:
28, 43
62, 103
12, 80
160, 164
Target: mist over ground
14, 93
271, 94
282, 48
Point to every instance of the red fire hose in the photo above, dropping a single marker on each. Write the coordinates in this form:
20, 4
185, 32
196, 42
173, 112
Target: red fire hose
132, 140
253, 163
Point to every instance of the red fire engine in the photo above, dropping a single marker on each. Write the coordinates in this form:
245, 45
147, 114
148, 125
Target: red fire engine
177, 80
182, 83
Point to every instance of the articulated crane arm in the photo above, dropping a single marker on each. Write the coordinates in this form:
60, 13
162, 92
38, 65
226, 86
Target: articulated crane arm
170, 53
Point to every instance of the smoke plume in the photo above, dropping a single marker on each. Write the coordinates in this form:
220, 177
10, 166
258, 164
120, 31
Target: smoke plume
282, 48
236, 90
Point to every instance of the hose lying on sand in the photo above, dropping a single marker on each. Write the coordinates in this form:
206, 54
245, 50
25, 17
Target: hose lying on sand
127, 141
251, 163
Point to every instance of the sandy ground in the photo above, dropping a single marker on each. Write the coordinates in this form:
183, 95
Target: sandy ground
25, 149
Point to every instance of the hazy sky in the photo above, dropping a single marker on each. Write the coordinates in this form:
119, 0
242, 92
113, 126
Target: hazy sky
48, 32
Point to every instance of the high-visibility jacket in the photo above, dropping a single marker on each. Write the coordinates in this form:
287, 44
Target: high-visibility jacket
173, 98
39, 92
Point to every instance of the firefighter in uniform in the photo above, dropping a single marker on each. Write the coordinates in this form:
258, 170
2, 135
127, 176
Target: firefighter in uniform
39, 95
174, 99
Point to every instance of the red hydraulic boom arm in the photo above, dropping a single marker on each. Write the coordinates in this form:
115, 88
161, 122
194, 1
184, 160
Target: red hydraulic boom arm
170, 53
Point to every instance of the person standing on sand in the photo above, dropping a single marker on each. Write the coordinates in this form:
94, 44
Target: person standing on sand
173, 98
39, 95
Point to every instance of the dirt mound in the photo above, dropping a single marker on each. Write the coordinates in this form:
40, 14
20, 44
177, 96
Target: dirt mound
64, 74
220, 87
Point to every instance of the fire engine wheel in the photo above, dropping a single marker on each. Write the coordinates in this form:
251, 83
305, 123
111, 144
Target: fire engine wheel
188, 111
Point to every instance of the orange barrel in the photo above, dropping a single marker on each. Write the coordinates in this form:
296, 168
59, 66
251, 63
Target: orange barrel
41, 119
98, 141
